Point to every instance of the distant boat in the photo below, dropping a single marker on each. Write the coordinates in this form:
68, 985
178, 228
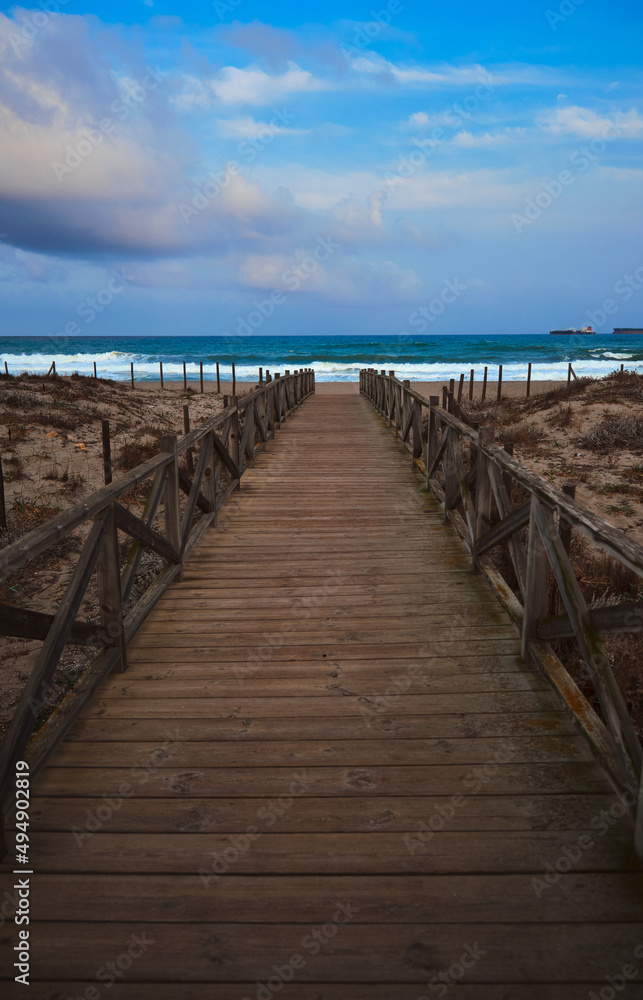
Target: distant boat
574, 331
628, 329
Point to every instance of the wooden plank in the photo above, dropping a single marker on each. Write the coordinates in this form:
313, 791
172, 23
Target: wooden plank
329, 815
126, 521
310, 753
578, 777
183, 684
371, 853
406, 726
329, 991
27, 624
411, 953
619, 618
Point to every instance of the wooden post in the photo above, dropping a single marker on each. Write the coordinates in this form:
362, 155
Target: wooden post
445, 397
234, 381
3, 509
95, 373
537, 583
261, 375
486, 436
161, 372
432, 435
185, 378
109, 592
131, 372
233, 441
201, 375
484, 384
569, 374
107, 453
210, 477
499, 383
565, 528
172, 508
529, 378
507, 479
6, 368
471, 385
186, 430
460, 388
218, 380
416, 438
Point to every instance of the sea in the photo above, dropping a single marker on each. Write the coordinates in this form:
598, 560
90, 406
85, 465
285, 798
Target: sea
431, 358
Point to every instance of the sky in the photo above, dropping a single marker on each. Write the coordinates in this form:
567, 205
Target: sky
244, 167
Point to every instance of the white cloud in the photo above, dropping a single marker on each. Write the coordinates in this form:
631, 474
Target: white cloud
373, 64
579, 121
254, 86
245, 127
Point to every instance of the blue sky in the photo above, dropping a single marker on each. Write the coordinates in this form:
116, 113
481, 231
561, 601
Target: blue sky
351, 168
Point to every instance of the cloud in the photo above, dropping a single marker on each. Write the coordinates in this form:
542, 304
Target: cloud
245, 127
251, 85
578, 121
372, 64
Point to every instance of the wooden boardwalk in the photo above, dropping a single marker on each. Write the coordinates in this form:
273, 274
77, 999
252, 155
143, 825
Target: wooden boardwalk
327, 774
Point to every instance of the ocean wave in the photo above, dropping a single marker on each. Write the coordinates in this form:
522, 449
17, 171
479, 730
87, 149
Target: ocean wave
115, 364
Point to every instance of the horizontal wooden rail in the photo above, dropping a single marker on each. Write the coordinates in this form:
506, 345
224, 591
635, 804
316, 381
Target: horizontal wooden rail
470, 475
231, 439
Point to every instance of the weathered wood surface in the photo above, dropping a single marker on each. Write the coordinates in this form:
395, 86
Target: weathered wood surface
329, 676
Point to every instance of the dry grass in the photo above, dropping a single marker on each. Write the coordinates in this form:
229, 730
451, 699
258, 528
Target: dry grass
134, 453
614, 432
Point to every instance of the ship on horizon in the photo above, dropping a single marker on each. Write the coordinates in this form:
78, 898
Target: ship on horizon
572, 331
628, 329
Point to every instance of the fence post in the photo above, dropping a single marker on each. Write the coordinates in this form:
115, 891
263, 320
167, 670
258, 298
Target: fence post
107, 452
499, 383
201, 375
185, 378
529, 378
484, 384
95, 372
168, 444
536, 584
218, 380
486, 436
234, 381
161, 371
233, 441
432, 435
471, 386
3, 509
460, 388
186, 430
131, 372
109, 591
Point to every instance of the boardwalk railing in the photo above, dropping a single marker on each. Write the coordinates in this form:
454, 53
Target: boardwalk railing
228, 441
468, 473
